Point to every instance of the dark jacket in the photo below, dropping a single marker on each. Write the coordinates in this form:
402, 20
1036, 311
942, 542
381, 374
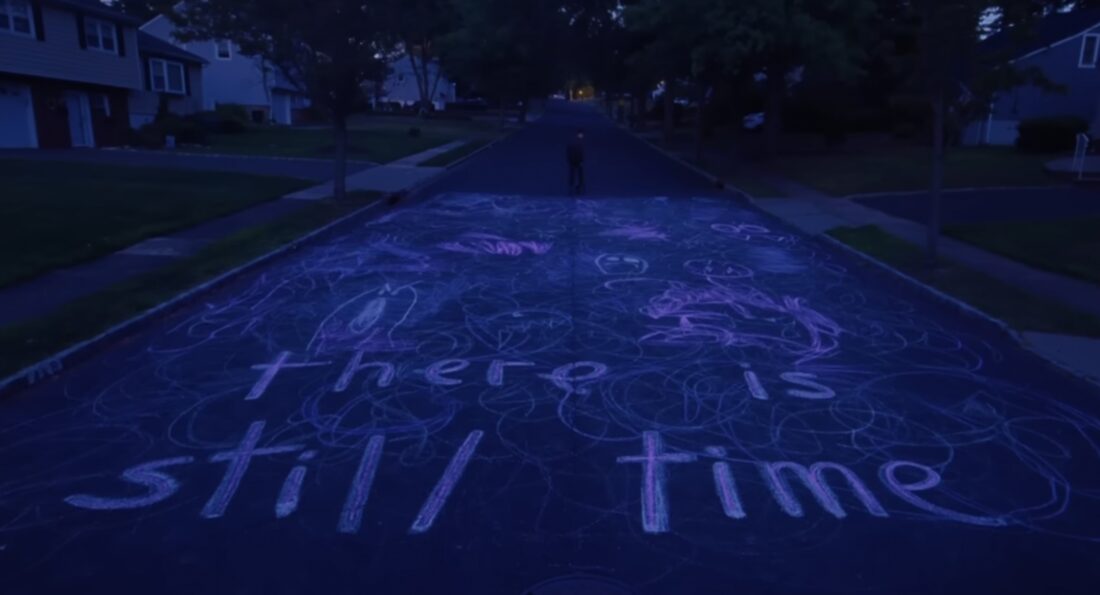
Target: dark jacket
574, 152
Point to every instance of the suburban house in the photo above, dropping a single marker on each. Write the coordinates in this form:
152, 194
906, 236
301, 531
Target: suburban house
400, 87
1066, 48
169, 74
67, 68
230, 77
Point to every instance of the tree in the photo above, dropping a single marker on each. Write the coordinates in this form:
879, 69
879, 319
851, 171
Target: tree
669, 31
505, 49
952, 72
422, 24
776, 37
143, 9
328, 48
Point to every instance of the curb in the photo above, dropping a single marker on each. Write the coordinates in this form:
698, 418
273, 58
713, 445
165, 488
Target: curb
862, 195
962, 306
714, 180
395, 198
53, 365
944, 297
56, 363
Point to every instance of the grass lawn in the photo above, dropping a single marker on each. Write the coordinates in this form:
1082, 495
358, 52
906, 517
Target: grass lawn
747, 182
54, 214
370, 138
449, 157
1070, 247
907, 168
25, 344
1018, 308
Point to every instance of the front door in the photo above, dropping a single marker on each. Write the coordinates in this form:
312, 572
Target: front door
80, 119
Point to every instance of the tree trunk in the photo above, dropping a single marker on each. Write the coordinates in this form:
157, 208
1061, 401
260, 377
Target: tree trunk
670, 107
775, 90
935, 190
340, 138
700, 124
420, 72
435, 87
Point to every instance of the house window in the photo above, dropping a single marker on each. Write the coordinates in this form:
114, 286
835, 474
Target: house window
224, 49
166, 77
15, 17
1089, 46
100, 35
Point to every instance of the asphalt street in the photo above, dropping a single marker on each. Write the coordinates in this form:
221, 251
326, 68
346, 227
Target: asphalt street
497, 389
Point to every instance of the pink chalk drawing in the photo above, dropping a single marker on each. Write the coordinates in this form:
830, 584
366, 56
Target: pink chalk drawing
485, 243
368, 321
635, 232
740, 316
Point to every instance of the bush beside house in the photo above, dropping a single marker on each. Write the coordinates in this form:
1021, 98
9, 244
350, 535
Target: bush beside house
1050, 135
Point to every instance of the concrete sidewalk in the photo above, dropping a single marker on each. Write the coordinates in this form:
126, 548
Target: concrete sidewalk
316, 170
816, 213
384, 178
393, 177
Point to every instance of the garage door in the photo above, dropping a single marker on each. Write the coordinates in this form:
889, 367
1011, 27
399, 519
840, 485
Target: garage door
16, 117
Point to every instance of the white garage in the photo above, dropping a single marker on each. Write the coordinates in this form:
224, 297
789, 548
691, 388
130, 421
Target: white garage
17, 128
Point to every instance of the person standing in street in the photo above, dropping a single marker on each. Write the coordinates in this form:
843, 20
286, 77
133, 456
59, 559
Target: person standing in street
574, 155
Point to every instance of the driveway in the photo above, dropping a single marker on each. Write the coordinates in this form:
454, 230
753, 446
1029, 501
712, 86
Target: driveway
318, 170
983, 206
497, 389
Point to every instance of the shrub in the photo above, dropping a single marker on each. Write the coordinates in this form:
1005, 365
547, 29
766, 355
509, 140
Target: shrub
220, 124
314, 114
186, 131
232, 111
147, 137
1048, 135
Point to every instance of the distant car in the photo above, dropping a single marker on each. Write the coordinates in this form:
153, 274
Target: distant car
753, 121
558, 96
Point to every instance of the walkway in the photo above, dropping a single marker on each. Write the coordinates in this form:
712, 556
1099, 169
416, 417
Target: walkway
306, 169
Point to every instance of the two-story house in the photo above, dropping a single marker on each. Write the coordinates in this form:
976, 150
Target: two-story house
402, 88
230, 77
67, 68
1066, 48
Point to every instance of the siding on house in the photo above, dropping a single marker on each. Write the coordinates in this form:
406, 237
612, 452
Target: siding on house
59, 55
238, 80
145, 103
1060, 65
